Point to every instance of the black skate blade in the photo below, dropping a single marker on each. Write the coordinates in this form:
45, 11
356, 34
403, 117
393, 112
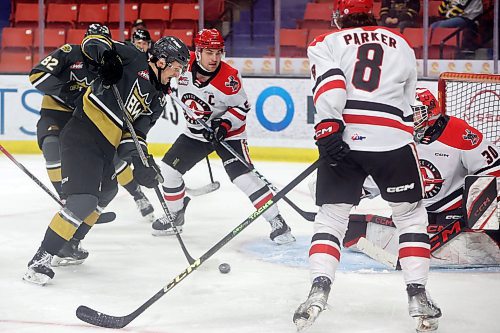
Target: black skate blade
106, 218
95, 318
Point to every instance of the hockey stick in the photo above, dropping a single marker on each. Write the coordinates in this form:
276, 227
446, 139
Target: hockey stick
144, 161
103, 218
213, 186
306, 215
97, 318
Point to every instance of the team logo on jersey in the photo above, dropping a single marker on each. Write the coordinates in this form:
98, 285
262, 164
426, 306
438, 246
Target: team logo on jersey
77, 65
182, 81
472, 137
144, 74
78, 84
357, 137
232, 83
137, 103
199, 106
66, 48
432, 178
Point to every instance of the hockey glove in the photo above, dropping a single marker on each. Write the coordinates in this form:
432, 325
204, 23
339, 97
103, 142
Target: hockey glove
111, 67
328, 136
220, 127
146, 176
127, 149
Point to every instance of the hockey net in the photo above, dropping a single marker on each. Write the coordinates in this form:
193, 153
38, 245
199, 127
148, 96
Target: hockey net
474, 98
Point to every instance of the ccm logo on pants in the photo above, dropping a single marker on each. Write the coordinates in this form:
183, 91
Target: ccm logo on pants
401, 188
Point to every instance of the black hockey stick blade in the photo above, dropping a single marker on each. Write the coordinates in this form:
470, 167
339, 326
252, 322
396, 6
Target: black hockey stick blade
309, 216
106, 217
209, 188
96, 318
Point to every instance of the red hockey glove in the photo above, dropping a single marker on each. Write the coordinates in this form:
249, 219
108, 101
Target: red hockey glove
328, 136
220, 127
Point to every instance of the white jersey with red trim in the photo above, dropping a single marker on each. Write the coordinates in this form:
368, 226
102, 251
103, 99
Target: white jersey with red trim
365, 76
222, 96
459, 151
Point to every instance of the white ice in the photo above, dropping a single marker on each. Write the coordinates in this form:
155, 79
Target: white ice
127, 265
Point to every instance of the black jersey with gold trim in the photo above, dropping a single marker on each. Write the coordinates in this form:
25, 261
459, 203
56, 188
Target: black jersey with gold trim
63, 77
143, 103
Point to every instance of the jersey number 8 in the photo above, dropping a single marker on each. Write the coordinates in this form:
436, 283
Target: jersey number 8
370, 58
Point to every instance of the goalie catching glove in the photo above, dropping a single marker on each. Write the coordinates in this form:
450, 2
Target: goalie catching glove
328, 136
146, 176
219, 127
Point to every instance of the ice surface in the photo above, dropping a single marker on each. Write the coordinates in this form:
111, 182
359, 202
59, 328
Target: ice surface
127, 265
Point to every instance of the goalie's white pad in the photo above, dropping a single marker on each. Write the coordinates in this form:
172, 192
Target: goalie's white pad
481, 203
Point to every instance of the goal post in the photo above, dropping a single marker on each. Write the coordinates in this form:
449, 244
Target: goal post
474, 98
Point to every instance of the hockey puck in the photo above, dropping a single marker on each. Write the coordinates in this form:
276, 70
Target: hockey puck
224, 268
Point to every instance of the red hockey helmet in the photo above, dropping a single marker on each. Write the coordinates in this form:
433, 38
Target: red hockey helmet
209, 39
426, 111
344, 7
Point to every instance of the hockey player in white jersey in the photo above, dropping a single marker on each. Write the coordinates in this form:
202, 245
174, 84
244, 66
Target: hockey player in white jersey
363, 85
213, 90
449, 149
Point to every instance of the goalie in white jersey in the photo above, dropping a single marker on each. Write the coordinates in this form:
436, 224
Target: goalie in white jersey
363, 85
213, 90
449, 149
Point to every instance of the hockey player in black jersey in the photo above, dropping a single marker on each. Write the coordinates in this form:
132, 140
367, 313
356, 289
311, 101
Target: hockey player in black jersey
63, 77
96, 130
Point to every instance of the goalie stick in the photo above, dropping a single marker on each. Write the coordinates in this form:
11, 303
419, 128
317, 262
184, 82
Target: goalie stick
97, 318
309, 216
103, 218
144, 161
213, 186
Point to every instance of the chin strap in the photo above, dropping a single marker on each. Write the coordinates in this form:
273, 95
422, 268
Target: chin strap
155, 79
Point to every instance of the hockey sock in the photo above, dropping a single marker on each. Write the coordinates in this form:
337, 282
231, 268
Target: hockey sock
329, 229
414, 245
258, 193
62, 227
174, 189
52, 155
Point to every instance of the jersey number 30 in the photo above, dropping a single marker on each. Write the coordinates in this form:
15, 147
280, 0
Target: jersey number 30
367, 69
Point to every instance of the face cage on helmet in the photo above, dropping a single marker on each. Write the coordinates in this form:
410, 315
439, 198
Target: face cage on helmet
420, 121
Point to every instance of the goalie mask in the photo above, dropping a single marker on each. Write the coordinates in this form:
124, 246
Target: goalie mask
426, 112
346, 7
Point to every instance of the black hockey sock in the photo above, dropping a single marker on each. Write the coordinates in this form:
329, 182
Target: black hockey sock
134, 189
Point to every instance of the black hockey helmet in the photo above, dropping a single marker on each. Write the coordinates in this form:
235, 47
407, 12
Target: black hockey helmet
141, 34
171, 49
98, 29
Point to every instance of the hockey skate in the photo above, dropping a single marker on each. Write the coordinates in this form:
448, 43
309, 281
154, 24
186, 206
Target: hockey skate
144, 206
281, 232
163, 227
39, 270
308, 311
70, 254
421, 306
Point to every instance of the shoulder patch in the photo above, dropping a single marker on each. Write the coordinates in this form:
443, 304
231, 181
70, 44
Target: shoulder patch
66, 48
461, 135
232, 83
144, 74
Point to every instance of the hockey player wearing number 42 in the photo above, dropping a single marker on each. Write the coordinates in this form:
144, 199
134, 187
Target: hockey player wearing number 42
213, 90
63, 77
96, 130
449, 149
365, 120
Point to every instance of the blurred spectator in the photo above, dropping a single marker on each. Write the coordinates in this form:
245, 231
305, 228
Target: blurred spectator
460, 14
399, 13
138, 24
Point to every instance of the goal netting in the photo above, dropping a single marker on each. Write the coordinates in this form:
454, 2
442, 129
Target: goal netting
474, 98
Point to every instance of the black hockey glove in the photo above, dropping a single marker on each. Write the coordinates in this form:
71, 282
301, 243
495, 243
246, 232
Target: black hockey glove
146, 176
220, 127
328, 136
127, 149
111, 67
